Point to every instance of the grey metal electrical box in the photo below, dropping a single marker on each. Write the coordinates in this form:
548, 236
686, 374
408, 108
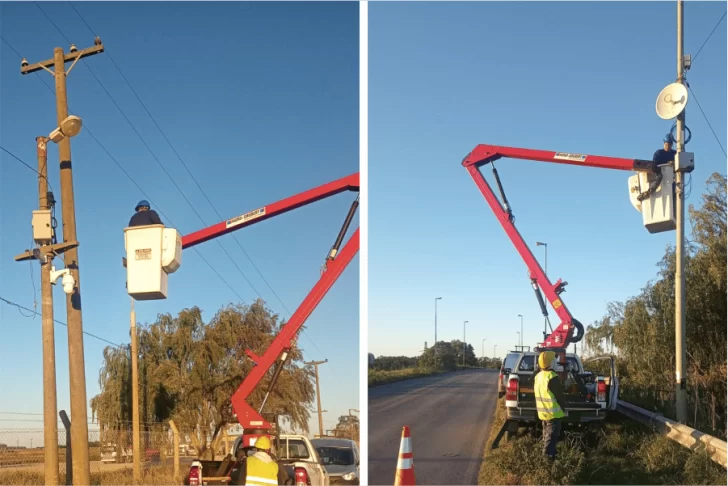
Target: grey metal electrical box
42, 227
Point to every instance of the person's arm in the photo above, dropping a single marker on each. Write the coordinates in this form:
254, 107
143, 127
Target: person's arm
557, 389
154, 217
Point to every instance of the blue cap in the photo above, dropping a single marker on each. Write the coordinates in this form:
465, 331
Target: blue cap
668, 139
141, 204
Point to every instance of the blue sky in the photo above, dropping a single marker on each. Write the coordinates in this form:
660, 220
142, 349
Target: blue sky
259, 99
575, 77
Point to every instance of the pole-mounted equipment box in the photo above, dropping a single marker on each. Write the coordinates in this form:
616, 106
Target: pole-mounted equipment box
152, 253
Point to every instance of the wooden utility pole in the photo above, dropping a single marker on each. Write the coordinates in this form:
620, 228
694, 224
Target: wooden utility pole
136, 439
79, 416
50, 407
318, 395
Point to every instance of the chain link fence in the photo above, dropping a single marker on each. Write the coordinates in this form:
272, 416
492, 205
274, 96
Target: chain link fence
110, 448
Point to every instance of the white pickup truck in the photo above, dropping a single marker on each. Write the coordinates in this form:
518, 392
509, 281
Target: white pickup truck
297, 456
589, 396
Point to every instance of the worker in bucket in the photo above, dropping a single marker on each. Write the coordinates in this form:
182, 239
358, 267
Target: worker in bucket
666, 155
550, 402
259, 469
144, 215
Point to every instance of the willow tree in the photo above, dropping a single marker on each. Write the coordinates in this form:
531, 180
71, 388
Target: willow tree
643, 327
190, 369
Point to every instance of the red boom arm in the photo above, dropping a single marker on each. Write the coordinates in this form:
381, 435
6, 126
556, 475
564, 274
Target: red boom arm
481, 155
336, 262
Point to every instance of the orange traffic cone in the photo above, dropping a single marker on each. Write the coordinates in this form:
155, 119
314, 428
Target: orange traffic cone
405, 475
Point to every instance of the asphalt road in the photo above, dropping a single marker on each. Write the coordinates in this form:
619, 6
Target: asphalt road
449, 416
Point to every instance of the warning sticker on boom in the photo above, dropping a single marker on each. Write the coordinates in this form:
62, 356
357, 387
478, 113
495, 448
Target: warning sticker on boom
143, 254
556, 303
257, 213
568, 156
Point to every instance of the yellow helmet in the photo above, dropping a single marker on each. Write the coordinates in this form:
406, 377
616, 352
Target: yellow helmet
545, 359
262, 443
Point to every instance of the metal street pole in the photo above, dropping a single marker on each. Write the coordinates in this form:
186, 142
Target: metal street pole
464, 322
519, 315
494, 353
50, 407
318, 394
482, 349
546, 272
680, 335
77, 372
136, 438
436, 299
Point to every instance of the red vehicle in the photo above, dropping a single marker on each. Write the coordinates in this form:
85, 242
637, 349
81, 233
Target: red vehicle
590, 395
337, 259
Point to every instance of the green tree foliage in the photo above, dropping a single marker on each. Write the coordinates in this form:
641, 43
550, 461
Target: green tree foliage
447, 356
189, 371
641, 331
490, 363
347, 427
389, 363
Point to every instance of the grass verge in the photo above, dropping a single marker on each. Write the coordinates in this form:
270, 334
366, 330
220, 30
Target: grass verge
622, 452
156, 476
380, 377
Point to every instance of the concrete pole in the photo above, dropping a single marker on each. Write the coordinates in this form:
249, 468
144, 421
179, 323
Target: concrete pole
436, 299
77, 371
175, 444
136, 438
521, 335
50, 407
318, 395
680, 391
464, 322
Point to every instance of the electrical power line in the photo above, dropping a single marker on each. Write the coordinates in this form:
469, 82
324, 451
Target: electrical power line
179, 157
19, 307
121, 167
706, 120
234, 262
709, 36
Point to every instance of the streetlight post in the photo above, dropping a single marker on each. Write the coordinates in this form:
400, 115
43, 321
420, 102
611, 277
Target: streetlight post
494, 353
464, 322
545, 271
44, 236
519, 315
436, 299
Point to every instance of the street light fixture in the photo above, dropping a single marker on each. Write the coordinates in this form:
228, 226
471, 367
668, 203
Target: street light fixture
70, 127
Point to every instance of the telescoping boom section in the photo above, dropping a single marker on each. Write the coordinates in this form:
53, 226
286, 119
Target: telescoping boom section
655, 190
335, 261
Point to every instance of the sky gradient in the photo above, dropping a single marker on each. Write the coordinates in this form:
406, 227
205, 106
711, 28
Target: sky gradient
571, 76
261, 102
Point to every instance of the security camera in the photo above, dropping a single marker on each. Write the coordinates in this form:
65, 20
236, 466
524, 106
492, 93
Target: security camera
68, 282
97, 41
73, 48
24, 63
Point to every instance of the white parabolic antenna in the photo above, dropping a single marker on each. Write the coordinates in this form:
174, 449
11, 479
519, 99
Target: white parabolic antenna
671, 101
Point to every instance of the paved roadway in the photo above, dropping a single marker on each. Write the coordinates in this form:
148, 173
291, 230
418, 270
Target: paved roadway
449, 415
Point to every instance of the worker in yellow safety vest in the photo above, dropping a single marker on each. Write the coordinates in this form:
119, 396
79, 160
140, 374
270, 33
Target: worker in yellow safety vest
550, 402
259, 469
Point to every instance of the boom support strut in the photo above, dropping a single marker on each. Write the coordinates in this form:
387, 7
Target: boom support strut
564, 334
335, 263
